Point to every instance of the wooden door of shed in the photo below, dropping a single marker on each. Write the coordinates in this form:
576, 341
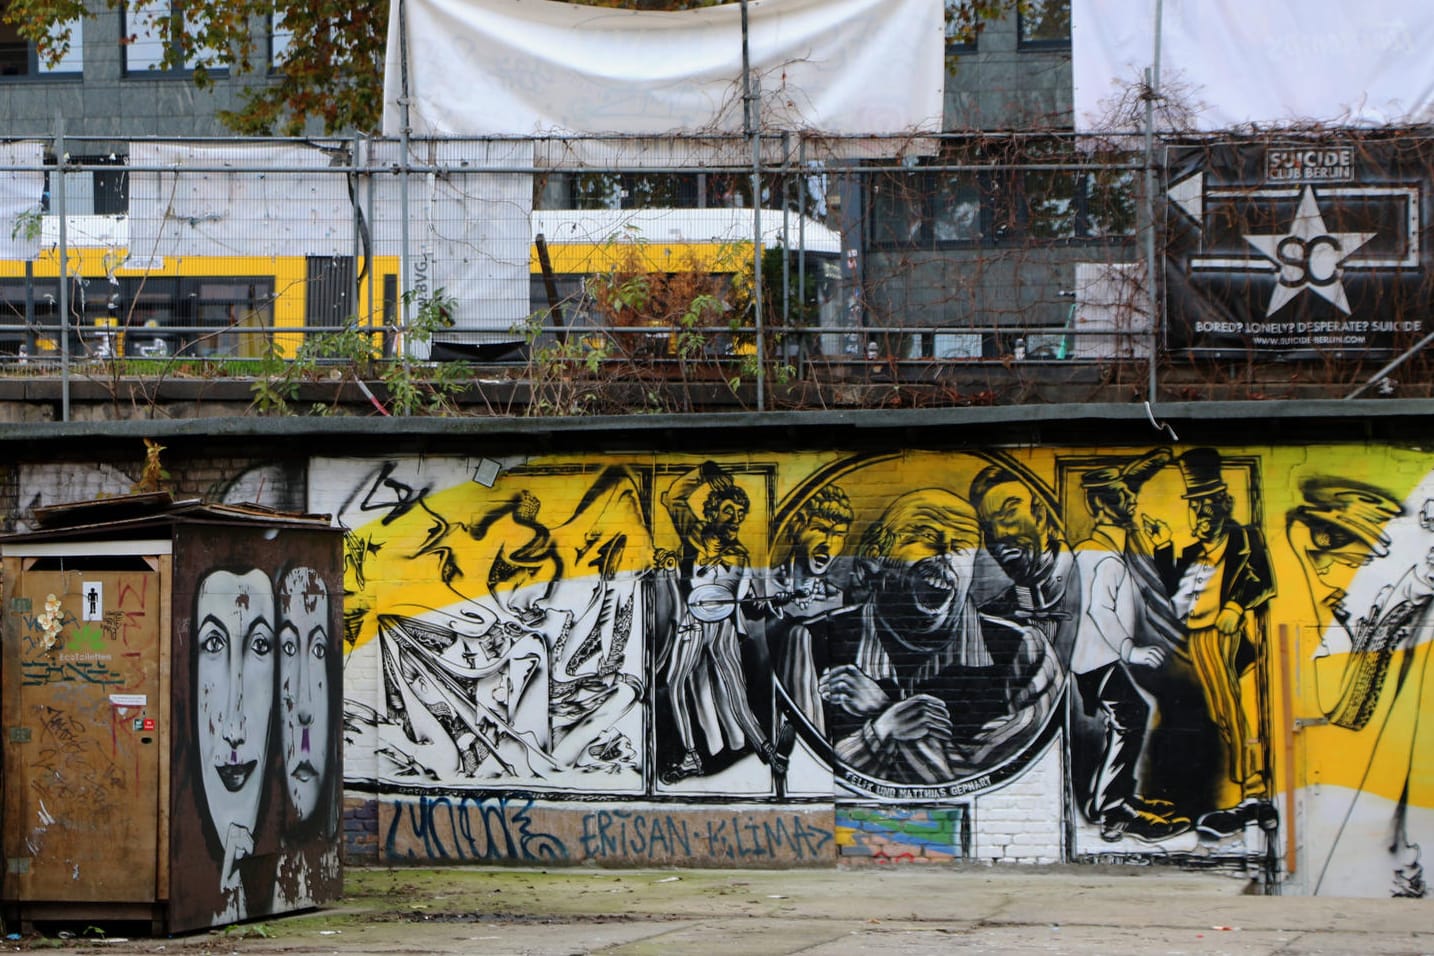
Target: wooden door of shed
82, 714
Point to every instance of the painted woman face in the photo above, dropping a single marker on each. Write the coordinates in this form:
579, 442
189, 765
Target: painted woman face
303, 686
234, 651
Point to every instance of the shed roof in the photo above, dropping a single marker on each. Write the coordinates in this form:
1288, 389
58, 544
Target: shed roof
125, 516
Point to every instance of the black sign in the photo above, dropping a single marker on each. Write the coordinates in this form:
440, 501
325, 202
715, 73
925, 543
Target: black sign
1304, 249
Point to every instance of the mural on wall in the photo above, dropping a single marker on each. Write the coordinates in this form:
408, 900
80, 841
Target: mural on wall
518, 659
1367, 553
910, 628
703, 594
257, 826
234, 694
1169, 705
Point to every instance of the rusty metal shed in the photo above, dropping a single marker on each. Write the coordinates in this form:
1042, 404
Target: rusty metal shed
172, 713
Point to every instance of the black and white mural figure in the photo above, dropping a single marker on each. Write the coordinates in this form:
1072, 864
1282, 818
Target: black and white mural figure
304, 652
1369, 562
1218, 583
924, 689
802, 590
307, 706
702, 671
802, 594
1023, 534
520, 662
234, 674
1126, 623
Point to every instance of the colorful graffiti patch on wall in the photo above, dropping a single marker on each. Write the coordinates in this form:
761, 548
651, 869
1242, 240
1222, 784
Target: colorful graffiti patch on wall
911, 628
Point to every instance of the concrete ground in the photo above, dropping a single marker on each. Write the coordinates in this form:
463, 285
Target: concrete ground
901, 911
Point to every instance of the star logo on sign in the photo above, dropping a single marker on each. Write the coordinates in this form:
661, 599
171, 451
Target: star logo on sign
1309, 256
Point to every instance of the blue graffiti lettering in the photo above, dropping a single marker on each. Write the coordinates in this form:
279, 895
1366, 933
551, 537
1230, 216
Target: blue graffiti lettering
624, 832
475, 828
734, 837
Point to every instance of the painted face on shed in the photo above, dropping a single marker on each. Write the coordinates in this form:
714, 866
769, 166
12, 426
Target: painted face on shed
304, 687
234, 692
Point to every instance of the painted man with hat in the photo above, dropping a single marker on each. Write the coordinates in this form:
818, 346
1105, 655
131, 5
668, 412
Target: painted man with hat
1126, 621
1217, 583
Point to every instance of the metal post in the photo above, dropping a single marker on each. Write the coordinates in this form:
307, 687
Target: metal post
357, 290
750, 124
370, 260
1152, 90
405, 264
57, 196
786, 247
802, 249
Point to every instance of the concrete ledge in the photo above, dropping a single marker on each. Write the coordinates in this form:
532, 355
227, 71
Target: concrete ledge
1105, 424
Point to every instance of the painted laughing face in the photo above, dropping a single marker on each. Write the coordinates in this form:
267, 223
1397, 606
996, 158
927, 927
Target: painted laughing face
303, 686
234, 650
1017, 527
922, 553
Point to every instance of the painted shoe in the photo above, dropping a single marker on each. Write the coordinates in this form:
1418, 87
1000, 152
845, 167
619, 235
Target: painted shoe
1155, 805
772, 757
689, 766
1125, 820
1218, 824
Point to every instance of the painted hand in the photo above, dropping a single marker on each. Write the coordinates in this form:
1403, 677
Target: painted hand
849, 688
915, 718
1147, 656
238, 844
1228, 621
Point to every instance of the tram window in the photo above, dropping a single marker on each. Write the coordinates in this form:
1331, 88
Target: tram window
244, 306
14, 331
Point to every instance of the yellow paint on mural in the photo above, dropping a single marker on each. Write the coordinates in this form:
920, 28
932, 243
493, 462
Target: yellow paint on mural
1346, 528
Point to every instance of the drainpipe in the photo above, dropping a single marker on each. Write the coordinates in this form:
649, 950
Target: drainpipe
57, 195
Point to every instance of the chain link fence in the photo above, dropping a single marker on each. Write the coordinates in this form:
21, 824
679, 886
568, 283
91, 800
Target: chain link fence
778, 259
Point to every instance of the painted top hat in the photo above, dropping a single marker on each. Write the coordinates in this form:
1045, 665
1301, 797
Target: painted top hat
1200, 467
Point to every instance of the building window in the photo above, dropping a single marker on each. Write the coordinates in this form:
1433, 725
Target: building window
1045, 24
1077, 204
19, 57
960, 34
90, 191
152, 28
280, 38
1035, 195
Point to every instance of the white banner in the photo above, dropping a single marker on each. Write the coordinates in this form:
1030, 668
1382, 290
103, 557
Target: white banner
470, 229
537, 67
22, 191
1261, 62
226, 200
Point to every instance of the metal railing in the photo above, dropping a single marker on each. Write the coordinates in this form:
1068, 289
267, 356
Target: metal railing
962, 251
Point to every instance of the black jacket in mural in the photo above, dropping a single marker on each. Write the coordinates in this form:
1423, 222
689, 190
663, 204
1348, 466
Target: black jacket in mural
1245, 575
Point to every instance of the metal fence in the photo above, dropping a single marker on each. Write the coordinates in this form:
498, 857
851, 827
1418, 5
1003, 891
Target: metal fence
709, 257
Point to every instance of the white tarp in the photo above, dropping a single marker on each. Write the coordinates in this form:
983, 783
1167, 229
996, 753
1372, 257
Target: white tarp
237, 201
470, 228
21, 192
1268, 63
537, 67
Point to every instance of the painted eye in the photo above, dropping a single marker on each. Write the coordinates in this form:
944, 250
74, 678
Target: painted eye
290, 647
1329, 536
321, 650
213, 642
261, 645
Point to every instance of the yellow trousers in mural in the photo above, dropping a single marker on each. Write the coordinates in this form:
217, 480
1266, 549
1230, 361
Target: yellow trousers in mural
1213, 655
